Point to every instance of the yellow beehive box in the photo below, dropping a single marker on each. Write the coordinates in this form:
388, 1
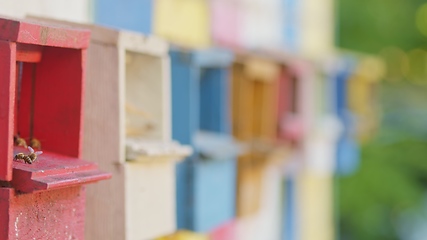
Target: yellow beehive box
183, 22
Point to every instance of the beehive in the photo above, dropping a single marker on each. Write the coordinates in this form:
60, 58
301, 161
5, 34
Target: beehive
254, 116
42, 197
206, 180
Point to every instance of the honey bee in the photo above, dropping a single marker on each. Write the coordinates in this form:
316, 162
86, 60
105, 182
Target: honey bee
18, 141
35, 144
30, 158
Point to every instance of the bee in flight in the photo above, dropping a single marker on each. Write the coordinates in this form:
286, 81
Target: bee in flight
30, 158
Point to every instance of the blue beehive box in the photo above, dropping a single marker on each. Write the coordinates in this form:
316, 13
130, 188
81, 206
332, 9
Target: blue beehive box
200, 115
348, 149
133, 15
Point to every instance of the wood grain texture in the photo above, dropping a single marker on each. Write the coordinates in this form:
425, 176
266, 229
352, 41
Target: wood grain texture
7, 107
101, 143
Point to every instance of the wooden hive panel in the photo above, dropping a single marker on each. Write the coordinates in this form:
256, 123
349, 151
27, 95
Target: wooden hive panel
205, 181
101, 142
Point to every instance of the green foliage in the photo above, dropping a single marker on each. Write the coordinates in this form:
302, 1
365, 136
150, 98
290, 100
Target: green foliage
371, 25
391, 181
392, 178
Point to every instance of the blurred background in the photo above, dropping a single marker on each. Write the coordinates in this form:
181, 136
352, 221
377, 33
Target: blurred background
375, 184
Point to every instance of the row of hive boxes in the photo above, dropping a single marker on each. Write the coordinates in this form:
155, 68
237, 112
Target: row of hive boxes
128, 115
303, 26
264, 93
122, 98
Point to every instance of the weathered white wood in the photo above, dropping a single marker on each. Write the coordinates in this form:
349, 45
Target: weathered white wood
149, 202
128, 105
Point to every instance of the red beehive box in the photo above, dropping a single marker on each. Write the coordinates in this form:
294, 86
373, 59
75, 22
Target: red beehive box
42, 73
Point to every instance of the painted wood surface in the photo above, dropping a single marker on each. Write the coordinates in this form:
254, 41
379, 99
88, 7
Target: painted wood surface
8, 89
78, 10
133, 15
128, 99
254, 117
315, 206
149, 199
205, 182
184, 22
36, 216
225, 22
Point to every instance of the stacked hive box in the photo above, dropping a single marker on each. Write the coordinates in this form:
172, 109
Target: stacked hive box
43, 197
205, 181
255, 109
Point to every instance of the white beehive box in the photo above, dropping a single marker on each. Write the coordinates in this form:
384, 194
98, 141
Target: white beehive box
128, 132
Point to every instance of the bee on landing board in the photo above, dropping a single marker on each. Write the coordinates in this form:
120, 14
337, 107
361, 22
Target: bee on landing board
30, 158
